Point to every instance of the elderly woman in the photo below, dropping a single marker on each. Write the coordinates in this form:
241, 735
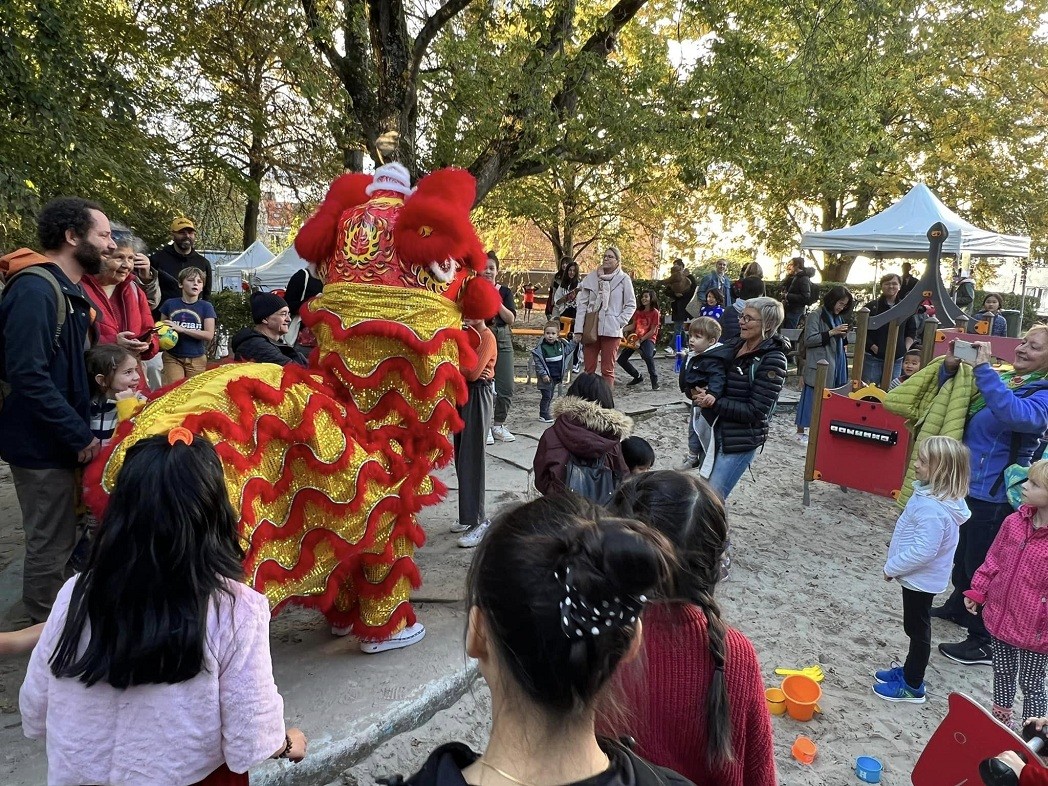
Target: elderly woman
753, 383
825, 336
873, 361
124, 317
608, 292
1006, 420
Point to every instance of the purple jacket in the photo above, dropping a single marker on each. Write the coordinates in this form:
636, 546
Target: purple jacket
1012, 584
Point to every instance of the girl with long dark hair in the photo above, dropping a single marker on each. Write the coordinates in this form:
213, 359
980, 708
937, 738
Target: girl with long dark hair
695, 701
555, 596
159, 642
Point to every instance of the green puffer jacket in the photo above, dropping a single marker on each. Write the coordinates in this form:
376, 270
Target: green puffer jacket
931, 410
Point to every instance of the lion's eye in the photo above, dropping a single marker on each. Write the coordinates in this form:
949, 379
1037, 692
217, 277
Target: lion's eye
425, 231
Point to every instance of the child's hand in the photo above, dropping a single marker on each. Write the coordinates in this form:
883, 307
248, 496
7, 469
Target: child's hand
173, 325
706, 401
545, 378
971, 605
125, 394
887, 577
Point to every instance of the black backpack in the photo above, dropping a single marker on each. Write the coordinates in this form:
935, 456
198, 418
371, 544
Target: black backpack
813, 293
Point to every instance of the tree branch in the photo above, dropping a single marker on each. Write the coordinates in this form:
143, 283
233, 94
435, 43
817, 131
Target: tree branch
432, 26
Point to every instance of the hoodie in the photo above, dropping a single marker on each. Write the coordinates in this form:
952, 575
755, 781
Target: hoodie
920, 554
591, 432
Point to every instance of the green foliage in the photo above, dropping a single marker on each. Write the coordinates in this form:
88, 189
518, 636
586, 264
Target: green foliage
233, 310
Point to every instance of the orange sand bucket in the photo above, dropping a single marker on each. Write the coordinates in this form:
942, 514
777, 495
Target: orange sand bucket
804, 750
802, 696
776, 701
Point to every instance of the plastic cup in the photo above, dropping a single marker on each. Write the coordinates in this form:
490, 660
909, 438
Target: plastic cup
804, 750
776, 701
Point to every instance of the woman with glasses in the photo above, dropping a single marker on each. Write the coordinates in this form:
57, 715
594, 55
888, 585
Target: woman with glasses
754, 380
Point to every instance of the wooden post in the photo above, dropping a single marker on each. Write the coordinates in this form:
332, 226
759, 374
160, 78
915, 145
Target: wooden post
862, 319
931, 325
822, 369
889, 355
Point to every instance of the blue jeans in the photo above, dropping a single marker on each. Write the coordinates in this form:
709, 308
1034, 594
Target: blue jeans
728, 468
873, 367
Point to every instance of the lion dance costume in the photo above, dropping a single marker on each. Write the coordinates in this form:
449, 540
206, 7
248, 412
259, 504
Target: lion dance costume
327, 467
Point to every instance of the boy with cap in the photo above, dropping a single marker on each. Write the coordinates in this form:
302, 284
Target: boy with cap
193, 320
262, 343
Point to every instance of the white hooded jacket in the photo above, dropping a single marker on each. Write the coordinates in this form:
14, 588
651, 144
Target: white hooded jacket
920, 555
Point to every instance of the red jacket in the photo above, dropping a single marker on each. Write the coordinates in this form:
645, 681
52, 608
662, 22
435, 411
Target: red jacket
127, 309
664, 696
584, 429
1031, 776
1012, 583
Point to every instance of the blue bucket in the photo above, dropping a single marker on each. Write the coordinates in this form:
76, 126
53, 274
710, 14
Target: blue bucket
868, 769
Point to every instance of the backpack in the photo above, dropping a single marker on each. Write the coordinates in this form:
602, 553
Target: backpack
63, 308
592, 479
813, 293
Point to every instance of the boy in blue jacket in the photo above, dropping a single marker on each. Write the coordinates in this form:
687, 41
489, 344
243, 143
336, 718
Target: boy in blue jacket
551, 356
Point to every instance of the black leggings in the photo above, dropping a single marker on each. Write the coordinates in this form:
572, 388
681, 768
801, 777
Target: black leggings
917, 623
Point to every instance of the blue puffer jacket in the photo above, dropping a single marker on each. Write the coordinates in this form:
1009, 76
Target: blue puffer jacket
43, 422
988, 433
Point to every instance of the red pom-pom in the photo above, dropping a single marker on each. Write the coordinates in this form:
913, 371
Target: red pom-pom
479, 299
450, 185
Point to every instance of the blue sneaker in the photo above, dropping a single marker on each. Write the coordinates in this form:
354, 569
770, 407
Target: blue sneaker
893, 674
898, 690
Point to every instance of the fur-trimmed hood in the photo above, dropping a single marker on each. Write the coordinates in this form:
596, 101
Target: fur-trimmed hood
609, 422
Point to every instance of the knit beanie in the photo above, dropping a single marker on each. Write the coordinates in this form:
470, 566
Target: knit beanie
264, 305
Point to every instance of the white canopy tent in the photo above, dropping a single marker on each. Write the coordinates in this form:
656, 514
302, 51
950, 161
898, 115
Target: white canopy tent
231, 274
902, 231
277, 271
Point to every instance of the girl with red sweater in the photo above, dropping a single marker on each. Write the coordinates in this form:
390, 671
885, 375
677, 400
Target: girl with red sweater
695, 702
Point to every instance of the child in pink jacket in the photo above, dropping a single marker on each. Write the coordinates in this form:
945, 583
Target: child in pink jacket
1012, 588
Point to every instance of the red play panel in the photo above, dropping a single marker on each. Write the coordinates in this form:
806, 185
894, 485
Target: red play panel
967, 735
861, 446
1000, 346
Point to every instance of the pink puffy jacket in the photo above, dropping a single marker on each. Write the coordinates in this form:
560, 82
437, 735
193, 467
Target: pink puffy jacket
1012, 583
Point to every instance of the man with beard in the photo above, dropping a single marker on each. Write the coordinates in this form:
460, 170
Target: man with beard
181, 253
44, 322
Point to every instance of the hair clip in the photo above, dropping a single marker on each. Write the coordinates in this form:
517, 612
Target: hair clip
179, 434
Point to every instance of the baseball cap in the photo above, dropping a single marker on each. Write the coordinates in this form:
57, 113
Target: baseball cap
181, 223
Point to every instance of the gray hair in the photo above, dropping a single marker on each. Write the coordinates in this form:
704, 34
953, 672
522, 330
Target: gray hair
123, 237
771, 313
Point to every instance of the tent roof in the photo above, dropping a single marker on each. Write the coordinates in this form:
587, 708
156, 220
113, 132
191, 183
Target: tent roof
902, 231
275, 273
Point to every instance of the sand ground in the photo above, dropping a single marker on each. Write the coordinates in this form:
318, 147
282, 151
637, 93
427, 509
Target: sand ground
806, 588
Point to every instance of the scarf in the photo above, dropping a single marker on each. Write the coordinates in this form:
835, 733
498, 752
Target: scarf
1011, 380
604, 288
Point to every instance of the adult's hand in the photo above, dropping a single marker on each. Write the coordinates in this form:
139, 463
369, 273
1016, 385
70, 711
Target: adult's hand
873, 349
950, 361
840, 330
129, 341
982, 352
142, 269
88, 454
578, 338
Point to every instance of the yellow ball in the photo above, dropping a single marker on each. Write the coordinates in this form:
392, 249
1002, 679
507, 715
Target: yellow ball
167, 336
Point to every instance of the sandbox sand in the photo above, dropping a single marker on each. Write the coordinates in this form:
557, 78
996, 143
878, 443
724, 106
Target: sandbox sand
806, 587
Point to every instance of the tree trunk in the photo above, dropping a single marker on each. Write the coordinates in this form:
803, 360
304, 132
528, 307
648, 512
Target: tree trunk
256, 171
251, 211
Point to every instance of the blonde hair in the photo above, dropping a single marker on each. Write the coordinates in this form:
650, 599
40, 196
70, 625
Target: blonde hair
948, 467
1039, 473
615, 250
705, 327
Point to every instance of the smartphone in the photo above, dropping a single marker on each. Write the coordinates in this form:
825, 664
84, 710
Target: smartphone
965, 350
145, 336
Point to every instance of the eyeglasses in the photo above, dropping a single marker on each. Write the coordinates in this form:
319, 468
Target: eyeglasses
746, 319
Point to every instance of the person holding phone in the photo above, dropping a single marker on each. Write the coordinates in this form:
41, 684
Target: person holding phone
123, 315
1007, 418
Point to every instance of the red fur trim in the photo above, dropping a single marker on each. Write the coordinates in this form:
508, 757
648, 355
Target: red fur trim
432, 229
451, 184
479, 299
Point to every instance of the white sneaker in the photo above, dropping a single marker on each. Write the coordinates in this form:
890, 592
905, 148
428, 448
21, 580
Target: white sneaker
690, 462
458, 528
545, 420
502, 434
576, 368
412, 634
340, 631
670, 351
490, 439
802, 439
472, 538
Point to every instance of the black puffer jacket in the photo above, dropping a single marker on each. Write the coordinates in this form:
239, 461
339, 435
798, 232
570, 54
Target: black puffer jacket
754, 382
